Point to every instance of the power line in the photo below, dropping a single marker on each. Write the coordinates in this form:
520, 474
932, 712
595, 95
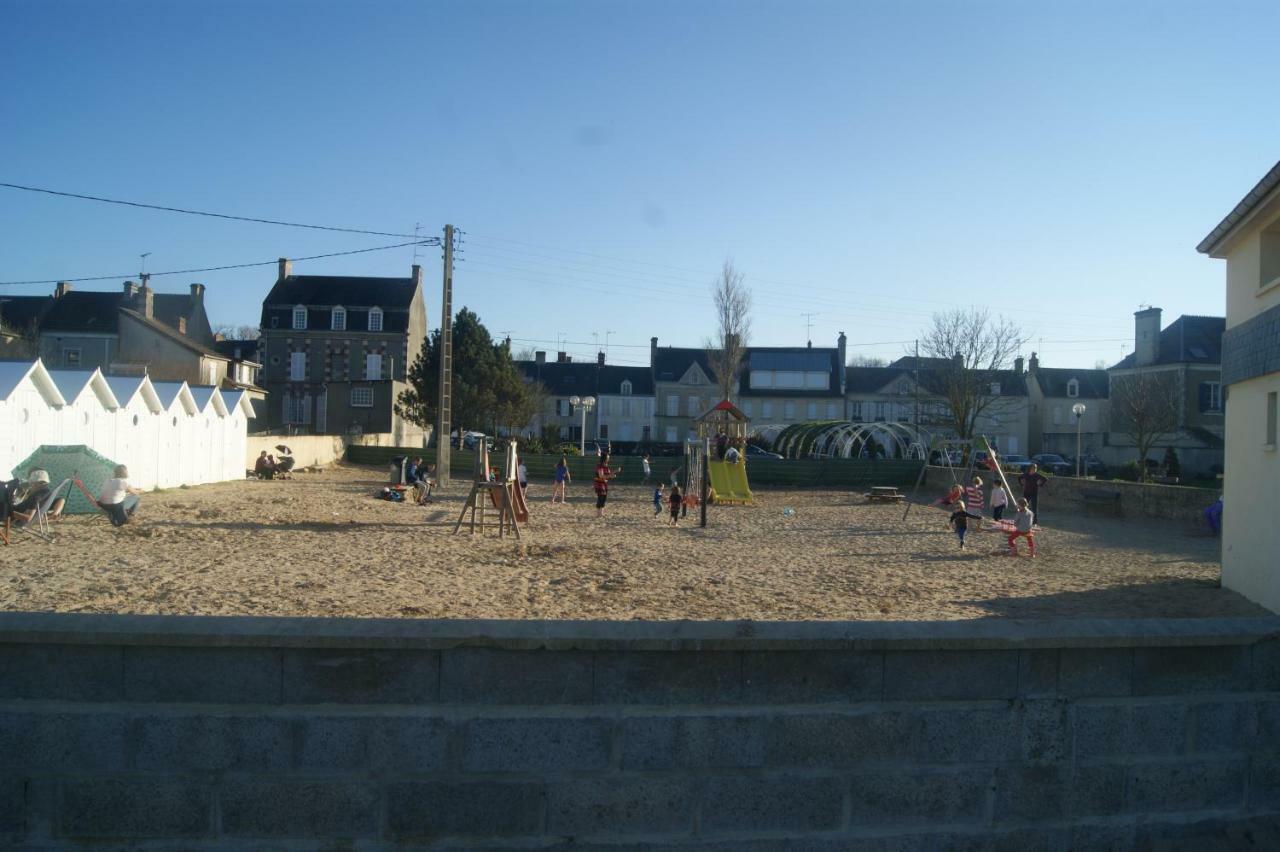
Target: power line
207, 268
256, 220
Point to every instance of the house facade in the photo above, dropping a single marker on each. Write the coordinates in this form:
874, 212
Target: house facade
1188, 355
777, 385
1052, 394
335, 352
1248, 239
624, 407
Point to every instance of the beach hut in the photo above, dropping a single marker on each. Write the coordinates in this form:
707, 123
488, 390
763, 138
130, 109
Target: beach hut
176, 445
89, 417
29, 406
207, 433
74, 461
137, 427
236, 435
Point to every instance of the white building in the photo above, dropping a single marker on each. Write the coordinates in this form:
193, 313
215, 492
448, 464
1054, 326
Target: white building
167, 433
1249, 240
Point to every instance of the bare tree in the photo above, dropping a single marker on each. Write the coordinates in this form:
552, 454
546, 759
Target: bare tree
733, 319
1145, 405
524, 353
970, 349
20, 342
866, 361
238, 332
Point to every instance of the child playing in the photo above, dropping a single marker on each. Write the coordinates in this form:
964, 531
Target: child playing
954, 496
960, 520
1023, 522
973, 500
675, 501
999, 499
657, 500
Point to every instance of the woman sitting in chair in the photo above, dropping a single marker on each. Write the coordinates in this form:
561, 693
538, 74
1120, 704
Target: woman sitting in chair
118, 498
29, 494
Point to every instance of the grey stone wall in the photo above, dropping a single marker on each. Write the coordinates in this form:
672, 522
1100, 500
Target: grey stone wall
135, 732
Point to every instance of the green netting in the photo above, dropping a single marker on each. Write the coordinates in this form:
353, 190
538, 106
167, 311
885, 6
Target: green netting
71, 461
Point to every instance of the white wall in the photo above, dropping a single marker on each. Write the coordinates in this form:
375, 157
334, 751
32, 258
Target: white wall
1250, 534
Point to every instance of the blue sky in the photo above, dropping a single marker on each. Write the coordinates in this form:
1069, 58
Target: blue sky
866, 163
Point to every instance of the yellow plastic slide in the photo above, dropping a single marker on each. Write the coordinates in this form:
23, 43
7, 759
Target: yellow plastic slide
729, 481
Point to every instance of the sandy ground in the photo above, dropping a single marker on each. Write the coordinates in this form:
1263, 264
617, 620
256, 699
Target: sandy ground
322, 545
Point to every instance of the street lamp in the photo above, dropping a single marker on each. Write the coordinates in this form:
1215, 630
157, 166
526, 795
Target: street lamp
585, 403
1078, 410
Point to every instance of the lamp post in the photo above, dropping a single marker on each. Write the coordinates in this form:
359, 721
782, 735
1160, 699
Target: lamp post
585, 403
1078, 410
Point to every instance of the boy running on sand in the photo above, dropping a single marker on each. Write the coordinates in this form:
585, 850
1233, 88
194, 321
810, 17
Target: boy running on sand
657, 500
676, 500
1023, 522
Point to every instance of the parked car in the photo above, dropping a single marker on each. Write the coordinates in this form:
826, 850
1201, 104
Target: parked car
1090, 465
1054, 463
1015, 461
754, 452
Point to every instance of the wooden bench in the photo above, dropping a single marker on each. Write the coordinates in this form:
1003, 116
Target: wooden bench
1103, 498
883, 494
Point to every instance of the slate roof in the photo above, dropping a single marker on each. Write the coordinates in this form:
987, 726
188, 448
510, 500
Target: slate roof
347, 290
865, 380
872, 379
17, 313
238, 350
1242, 210
1053, 382
670, 363
83, 311
801, 358
587, 377
908, 362
1187, 340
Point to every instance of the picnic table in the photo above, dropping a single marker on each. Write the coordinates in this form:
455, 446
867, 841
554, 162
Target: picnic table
884, 494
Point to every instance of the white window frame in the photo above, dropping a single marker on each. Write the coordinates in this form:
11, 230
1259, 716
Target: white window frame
1073, 389
855, 410
693, 405
375, 319
626, 387
1215, 398
66, 357
359, 395
299, 318
373, 366
338, 318
297, 366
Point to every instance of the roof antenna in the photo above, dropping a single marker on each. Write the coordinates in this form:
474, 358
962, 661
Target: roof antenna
417, 226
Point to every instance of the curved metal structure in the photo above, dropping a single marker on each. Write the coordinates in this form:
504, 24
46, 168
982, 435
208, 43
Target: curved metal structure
844, 439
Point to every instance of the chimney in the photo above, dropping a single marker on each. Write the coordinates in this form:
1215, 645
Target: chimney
810, 344
286, 267
417, 275
147, 298
63, 288
841, 347
1017, 365
653, 351
131, 288
182, 325
957, 361
540, 357
1146, 336
562, 358
1033, 364
197, 294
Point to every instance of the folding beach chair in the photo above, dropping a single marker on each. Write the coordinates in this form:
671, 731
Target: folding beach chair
8, 490
43, 513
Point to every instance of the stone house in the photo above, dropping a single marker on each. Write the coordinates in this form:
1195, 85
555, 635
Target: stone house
1189, 351
133, 331
1052, 394
778, 385
624, 407
1248, 239
335, 352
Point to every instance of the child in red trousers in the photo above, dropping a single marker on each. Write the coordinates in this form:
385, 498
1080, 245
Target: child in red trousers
1023, 522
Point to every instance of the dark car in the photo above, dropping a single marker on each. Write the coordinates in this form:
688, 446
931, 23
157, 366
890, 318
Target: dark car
754, 452
1090, 465
1054, 463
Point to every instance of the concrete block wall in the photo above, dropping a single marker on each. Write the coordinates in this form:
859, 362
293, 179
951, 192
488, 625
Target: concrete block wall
156, 732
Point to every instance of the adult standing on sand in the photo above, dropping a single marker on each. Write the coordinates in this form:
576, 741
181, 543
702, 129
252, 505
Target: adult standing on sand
562, 478
603, 474
1031, 481
647, 469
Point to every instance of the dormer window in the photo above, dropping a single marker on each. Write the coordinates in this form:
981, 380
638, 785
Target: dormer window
995, 388
1073, 388
299, 317
339, 319
626, 388
375, 319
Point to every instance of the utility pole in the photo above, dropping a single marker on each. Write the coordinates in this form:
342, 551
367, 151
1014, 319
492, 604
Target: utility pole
917, 383
444, 416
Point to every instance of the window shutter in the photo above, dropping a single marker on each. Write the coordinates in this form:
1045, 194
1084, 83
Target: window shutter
1205, 396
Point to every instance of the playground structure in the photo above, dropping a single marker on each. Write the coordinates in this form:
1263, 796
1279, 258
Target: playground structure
968, 448
844, 439
503, 494
728, 480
